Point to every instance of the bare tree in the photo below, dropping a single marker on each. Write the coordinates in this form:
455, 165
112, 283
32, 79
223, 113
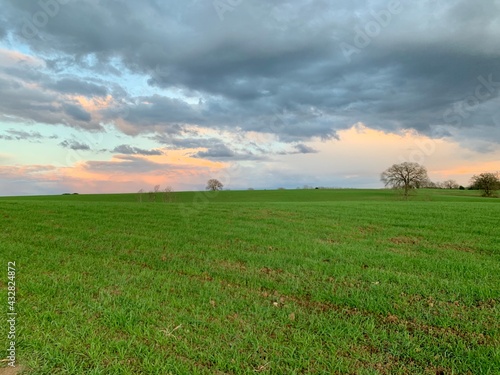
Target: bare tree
156, 188
487, 182
450, 184
168, 194
214, 185
405, 176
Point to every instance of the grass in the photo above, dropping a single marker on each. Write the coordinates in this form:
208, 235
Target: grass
271, 282
272, 196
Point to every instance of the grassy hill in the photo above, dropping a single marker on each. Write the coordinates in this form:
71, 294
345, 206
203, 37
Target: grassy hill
245, 282
299, 195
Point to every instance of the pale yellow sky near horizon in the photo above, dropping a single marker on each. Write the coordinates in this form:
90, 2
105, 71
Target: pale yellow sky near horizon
356, 159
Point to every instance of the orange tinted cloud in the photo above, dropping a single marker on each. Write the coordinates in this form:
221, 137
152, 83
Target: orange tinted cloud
126, 173
11, 57
122, 173
94, 104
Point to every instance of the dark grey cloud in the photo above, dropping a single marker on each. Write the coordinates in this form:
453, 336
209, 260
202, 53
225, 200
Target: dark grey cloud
299, 149
21, 135
149, 112
304, 149
77, 112
23, 101
25, 73
222, 151
415, 68
177, 143
72, 84
130, 150
75, 86
74, 145
216, 148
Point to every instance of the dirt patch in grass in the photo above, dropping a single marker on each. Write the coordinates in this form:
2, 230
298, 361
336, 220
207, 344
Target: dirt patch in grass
390, 321
368, 229
403, 240
11, 370
385, 363
235, 266
328, 241
203, 277
442, 333
270, 271
457, 247
113, 290
279, 300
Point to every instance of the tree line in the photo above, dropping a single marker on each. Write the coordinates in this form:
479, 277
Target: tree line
407, 176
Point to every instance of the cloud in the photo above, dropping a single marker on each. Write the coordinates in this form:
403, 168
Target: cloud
21, 135
77, 87
219, 151
77, 112
129, 150
127, 164
304, 149
29, 180
299, 149
133, 165
298, 66
224, 153
185, 142
28, 103
272, 81
215, 148
74, 145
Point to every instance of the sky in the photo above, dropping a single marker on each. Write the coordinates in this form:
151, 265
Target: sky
112, 96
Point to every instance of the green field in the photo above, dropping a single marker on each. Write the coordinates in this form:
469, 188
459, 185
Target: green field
246, 282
